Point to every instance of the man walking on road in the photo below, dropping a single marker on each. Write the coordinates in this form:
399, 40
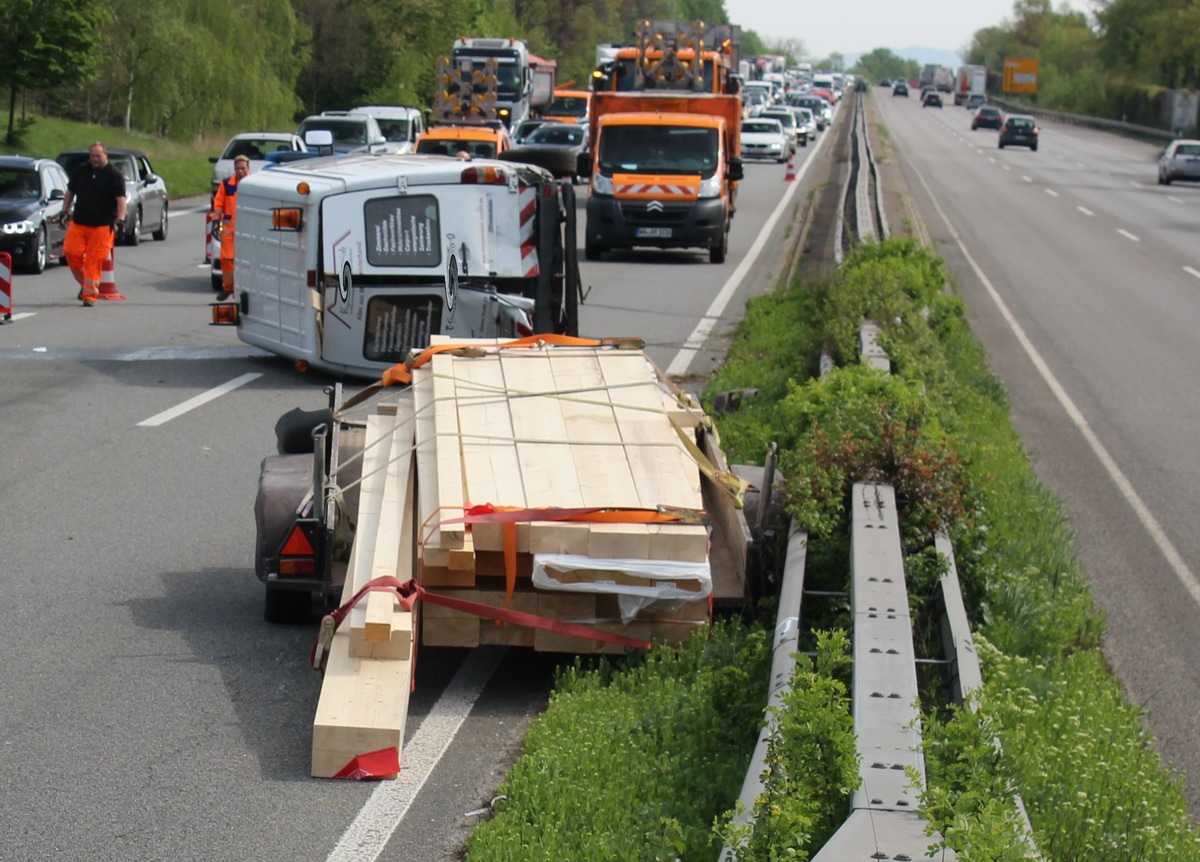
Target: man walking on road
225, 206
98, 191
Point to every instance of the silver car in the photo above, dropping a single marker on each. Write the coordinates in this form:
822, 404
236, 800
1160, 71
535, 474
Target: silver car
1179, 161
145, 191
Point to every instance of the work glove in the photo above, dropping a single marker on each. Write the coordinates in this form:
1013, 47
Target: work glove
119, 227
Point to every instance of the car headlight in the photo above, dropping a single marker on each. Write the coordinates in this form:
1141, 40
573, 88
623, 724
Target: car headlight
775, 147
710, 187
601, 184
17, 228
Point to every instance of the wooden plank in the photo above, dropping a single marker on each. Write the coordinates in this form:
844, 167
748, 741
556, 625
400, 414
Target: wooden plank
547, 470
451, 495
389, 547
491, 471
569, 607
371, 492
363, 707
731, 536
429, 536
663, 472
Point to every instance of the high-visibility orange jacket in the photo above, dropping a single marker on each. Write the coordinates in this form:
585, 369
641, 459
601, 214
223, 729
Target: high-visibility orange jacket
226, 204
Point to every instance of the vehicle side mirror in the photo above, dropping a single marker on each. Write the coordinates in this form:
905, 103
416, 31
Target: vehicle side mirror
213, 159
735, 172
57, 194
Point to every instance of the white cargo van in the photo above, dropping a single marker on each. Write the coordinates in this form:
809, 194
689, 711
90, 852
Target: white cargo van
346, 263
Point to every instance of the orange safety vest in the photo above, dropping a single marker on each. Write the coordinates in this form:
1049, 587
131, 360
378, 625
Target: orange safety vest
226, 203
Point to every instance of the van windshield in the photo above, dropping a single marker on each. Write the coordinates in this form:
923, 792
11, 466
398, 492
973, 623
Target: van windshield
658, 149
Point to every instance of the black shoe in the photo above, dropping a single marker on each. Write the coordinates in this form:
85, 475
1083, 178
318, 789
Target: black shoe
87, 303
224, 295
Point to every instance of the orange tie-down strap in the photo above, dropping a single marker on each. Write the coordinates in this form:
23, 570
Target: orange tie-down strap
410, 592
402, 372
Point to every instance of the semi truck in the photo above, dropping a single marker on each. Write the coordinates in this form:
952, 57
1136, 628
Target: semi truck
514, 76
970, 81
345, 264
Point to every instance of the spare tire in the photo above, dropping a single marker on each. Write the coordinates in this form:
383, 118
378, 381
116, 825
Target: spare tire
559, 161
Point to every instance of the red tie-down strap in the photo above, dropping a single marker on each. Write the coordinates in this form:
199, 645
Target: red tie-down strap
410, 592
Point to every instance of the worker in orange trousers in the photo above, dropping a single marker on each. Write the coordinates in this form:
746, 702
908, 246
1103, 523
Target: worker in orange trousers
225, 207
97, 189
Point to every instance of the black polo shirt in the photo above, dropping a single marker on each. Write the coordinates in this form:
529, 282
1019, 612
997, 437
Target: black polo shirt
96, 192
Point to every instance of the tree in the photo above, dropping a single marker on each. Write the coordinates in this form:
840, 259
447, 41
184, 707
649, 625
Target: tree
47, 45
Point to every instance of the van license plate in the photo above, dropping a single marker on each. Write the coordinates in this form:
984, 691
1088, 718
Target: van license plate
653, 233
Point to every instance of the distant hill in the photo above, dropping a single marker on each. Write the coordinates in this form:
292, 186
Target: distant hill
942, 57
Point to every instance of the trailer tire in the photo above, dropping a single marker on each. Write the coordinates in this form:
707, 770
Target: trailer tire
286, 607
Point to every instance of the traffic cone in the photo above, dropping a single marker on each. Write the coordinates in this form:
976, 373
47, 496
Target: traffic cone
209, 220
108, 280
791, 169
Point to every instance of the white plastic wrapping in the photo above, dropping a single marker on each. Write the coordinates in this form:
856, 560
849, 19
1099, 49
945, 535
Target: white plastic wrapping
637, 583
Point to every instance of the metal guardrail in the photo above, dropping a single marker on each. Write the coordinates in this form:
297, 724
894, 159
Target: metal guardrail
1086, 121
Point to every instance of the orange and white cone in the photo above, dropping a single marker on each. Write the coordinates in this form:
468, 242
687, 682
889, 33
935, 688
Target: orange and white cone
791, 169
108, 280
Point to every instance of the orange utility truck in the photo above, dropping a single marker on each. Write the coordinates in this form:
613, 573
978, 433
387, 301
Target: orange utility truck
666, 159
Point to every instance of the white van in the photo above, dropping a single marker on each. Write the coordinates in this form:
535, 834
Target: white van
401, 125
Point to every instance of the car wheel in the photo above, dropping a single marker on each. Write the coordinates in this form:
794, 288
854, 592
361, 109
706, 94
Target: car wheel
36, 261
133, 234
161, 233
717, 253
592, 250
1002, 145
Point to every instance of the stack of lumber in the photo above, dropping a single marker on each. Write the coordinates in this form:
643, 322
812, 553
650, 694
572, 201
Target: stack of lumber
526, 431
560, 428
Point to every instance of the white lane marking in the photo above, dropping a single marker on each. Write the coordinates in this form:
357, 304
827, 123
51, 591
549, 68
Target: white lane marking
187, 211
1136, 184
1085, 211
371, 830
21, 315
1026, 179
200, 400
1128, 235
1192, 271
1174, 199
1052, 193
991, 159
1149, 523
1080, 165
1008, 167
679, 365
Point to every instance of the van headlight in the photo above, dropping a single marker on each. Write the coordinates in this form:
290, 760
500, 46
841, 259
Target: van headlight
710, 187
601, 184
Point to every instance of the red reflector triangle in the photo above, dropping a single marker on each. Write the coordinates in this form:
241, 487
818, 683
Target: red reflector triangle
297, 545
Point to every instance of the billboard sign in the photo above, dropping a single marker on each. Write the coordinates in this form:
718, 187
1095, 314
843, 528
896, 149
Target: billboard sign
1020, 75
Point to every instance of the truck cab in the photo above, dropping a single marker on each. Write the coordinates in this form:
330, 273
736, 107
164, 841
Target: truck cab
665, 172
481, 141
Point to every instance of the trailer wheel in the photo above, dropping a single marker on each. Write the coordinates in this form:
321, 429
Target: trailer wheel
286, 607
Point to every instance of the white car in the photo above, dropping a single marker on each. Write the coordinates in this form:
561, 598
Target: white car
401, 125
764, 138
806, 124
255, 145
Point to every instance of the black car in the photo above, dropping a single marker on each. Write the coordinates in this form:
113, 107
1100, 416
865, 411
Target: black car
1019, 130
561, 148
932, 99
145, 191
987, 117
31, 195
900, 89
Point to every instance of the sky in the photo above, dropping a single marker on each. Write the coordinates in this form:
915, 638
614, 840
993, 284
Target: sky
859, 26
